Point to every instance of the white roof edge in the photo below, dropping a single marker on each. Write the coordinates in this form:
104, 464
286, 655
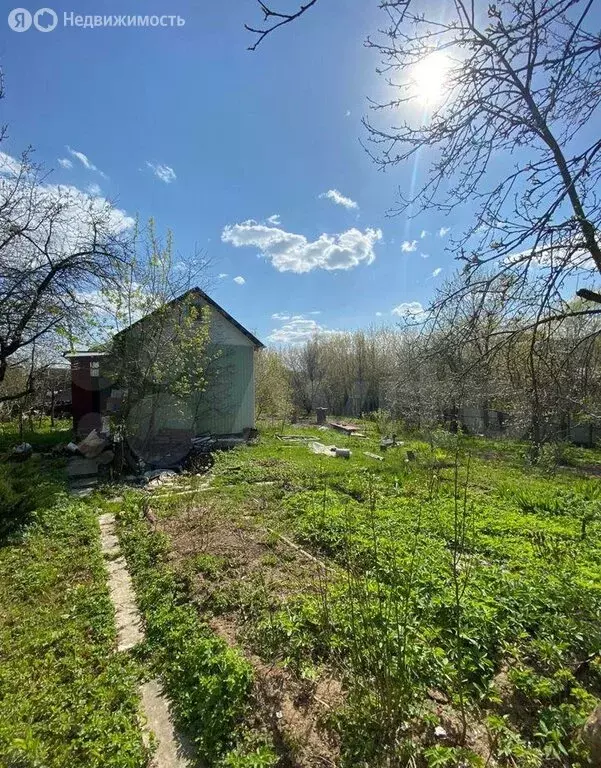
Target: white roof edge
70, 355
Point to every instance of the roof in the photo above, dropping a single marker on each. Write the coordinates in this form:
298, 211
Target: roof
75, 355
205, 296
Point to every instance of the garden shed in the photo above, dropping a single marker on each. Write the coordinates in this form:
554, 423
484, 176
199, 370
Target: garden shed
222, 405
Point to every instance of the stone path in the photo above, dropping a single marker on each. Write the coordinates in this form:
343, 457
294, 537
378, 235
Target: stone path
171, 751
127, 617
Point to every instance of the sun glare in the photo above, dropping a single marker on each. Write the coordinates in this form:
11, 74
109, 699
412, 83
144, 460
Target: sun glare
429, 77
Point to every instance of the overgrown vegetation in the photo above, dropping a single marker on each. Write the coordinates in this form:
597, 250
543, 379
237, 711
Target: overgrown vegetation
65, 697
207, 681
544, 387
455, 598
438, 607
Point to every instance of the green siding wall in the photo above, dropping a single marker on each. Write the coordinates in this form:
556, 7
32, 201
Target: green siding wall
228, 405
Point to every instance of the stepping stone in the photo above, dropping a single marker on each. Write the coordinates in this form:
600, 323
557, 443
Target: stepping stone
171, 751
83, 482
80, 467
127, 617
82, 486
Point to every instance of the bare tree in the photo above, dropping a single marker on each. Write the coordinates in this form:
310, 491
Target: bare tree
58, 248
513, 138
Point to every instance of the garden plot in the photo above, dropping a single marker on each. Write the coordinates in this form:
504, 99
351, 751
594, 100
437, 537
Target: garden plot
444, 610
237, 570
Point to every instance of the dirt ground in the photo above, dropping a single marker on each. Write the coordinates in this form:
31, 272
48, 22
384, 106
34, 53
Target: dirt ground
264, 566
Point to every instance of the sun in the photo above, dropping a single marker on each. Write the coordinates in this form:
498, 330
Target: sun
429, 78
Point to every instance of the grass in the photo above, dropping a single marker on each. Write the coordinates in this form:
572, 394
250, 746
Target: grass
65, 697
207, 681
456, 606
438, 608
42, 437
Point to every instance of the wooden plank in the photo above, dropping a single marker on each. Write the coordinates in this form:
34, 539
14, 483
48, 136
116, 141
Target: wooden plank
348, 429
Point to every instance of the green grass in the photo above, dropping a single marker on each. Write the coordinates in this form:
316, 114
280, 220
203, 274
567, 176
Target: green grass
207, 682
484, 585
42, 437
66, 699
456, 570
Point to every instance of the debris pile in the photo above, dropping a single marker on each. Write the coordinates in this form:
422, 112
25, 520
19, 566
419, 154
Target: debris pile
347, 429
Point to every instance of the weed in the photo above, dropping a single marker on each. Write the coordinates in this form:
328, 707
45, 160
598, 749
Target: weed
452, 574
207, 681
210, 566
65, 697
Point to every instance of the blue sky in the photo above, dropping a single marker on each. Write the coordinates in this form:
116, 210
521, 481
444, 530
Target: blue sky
234, 136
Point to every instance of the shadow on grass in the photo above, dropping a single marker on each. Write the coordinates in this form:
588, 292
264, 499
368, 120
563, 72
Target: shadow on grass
23, 489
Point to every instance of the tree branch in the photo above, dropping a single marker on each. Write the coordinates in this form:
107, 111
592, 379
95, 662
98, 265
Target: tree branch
587, 295
284, 18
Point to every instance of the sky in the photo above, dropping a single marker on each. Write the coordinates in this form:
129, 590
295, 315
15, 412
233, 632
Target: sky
254, 158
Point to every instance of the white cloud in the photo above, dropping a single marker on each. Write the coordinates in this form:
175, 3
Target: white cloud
348, 113
163, 172
222, 275
297, 330
94, 190
240, 280
554, 256
410, 310
74, 210
443, 231
79, 208
437, 272
290, 252
409, 246
288, 316
58, 218
85, 161
425, 255
378, 314
274, 219
424, 233
337, 197
9, 166
64, 162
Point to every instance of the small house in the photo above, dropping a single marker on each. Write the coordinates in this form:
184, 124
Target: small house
224, 403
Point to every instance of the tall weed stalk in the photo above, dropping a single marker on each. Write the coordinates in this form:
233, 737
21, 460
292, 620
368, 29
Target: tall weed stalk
381, 626
463, 534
